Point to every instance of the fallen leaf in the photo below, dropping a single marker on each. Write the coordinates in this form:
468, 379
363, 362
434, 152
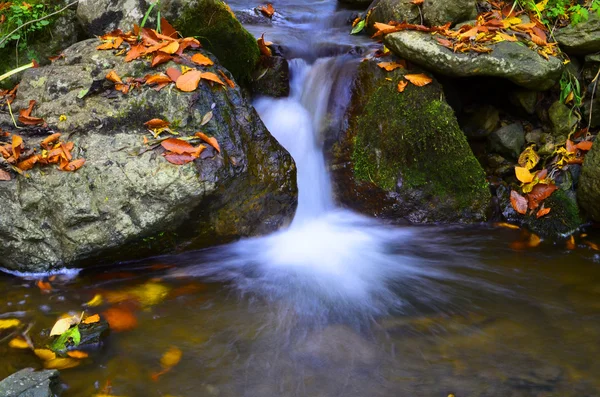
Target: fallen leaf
44, 286
523, 174
9, 323
212, 141
114, 77
61, 363
402, 85
73, 165
419, 80
534, 240
160, 57
156, 123
206, 118
173, 73
202, 60
171, 48
263, 47
95, 301
507, 225
120, 319
267, 10
584, 145
211, 77
50, 140
571, 243
179, 159
63, 324
167, 29
18, 343
189, 81
91, 319
389, 66
519, 203
529, 158
17, 146
171, 357
229, 82
542, 212
77, 354
28, 163
593, 246
45, 354
539, 193
4, 176
178, 146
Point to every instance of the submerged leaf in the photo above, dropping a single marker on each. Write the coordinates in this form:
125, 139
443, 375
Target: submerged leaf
9, 323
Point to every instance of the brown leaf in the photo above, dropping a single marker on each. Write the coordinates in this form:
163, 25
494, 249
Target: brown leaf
178, 146
539, 193
212, 77
120, 319
584, 145
50, 140
167, 29
160, 57
419, 80
417, 2
212, 141
267, 10
389, 66
571, 243
173, 73
519, 203
202, 60
542, 212
156, 123
4, 176
229, 82
402, 85
179, 159
27, 164
189, 82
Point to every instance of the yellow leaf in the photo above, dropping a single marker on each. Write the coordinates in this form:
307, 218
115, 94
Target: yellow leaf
45, 354
91, 319
18, 343
541, 6
529, 158
528, 187
61, 363
508, 22
64, 324
9, 323
150, 293
171, 357
523, 174
95, 301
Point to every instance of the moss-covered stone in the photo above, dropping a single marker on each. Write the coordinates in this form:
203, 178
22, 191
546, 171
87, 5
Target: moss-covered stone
588, 191
408, 157
215, 25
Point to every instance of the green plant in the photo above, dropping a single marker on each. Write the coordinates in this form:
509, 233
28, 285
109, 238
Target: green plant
155, 4
570, 89
551, 12
23, 15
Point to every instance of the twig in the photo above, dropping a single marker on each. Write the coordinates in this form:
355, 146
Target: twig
36, 20
595, 81
12, 116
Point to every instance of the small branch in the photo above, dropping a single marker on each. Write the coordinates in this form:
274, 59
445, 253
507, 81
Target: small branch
36, 20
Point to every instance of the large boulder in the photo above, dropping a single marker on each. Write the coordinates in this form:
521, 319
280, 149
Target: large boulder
508, 60
30, 383
588, 192
385, 11
582, 38
212, 21
403, 155
126, 200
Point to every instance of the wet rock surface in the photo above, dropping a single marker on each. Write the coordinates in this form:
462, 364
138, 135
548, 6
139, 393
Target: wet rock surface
30, 383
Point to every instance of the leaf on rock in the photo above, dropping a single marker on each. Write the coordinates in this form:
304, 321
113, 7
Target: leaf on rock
229, 82
27, 164
160, 57
206, 118
264, 46
64, 324
389, 66
202, 60
171, 48
179, 159
539, 193
542, 212
212, 77
135, 52
173, 73
189, 81
4, 176
114, 77
523, 174
267, 10
178, 146
45, 354
156, 123
212, 141
402, 85
584, 145
419, 80
519, 203
167, 29
91, 319
529, 158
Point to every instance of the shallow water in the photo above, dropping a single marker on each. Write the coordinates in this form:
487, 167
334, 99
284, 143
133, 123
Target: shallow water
337, 304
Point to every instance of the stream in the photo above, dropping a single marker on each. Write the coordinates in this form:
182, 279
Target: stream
337, 304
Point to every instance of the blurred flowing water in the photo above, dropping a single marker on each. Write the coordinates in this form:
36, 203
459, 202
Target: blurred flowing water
337, 304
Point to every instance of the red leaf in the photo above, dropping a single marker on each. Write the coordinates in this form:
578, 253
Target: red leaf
178, 146
539, 193
167, 29
519, 203
179, 159
4, 176
173, 73
161, 57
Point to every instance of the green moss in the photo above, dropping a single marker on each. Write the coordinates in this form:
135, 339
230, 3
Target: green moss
564, 217
411, 140
213, 23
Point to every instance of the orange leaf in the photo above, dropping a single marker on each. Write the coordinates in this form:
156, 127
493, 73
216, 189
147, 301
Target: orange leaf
542, 212
519, 203
571, 243
49, 141
539, 193
135, 52
419, 80
159, 78
173, 73
27, 164
187, 42
91, 319
267, 10
114, 77
160, 57
74, 165
120, 319
211, 77
17, 145
43, 286
178, 146
167, 29
212, 141
171, 48
402, 85
229, 82
417, 2
156, 123
28, 120
389, 66
584, 145
179, 159
570, 146
262, 45
77, 354
189, 82
202, 60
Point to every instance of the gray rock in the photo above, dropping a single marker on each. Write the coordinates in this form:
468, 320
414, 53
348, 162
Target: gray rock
583, 38
30, 383
588, 191
440, 12
534, 136
272, 77
508, 140
385, 11
403, 155
563, 120
525, 99
508, 60
127, 201
481, 122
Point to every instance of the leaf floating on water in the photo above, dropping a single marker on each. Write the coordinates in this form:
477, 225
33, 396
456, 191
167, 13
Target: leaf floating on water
9, 323
61, 363
171, 357
64, 324
114, 77
45, 354
18, 343
571, 243
120, 319
519, 203
95, 301
419, 80
43, 286
507, 225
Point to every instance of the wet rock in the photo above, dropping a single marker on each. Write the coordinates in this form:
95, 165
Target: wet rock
252, 17
525, 99
499, 166
440, 12
588, 192
385, 11
210, 20
403, 156
272, 78
30, 383
127, 201
582, 38
509, 60
482, 121
508, 140
534, 136
92, 338
562, 119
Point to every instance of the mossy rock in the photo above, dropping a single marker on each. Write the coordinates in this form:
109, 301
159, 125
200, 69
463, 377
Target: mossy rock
217, 28
404, 155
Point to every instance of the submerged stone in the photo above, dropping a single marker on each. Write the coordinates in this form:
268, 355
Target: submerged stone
30, 383
403, 155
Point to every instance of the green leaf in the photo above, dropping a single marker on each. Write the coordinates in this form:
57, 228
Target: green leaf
83, 92
69, 338
359, 27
